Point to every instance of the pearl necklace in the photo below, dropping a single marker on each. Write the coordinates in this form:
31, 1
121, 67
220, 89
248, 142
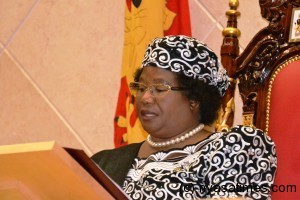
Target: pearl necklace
175, 140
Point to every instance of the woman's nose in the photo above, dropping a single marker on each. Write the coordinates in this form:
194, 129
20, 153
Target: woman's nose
147, 97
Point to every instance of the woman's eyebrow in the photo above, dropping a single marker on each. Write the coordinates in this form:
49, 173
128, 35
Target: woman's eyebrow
156, 80
160, 80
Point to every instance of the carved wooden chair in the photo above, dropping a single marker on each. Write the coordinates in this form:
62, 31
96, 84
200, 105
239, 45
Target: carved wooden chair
268, 74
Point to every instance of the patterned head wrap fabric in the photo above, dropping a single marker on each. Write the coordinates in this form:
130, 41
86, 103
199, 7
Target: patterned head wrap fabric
189, 56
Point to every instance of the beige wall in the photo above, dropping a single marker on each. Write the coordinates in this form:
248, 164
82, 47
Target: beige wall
60, 64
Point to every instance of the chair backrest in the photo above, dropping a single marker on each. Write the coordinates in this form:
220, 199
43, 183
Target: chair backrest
268, 71
283, 125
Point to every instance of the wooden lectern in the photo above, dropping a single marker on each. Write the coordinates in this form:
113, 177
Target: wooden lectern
47, 171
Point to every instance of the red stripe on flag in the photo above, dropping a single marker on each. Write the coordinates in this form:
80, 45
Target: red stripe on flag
121, 111
182, 22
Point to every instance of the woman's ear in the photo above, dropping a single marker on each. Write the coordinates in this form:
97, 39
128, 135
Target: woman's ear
194, 105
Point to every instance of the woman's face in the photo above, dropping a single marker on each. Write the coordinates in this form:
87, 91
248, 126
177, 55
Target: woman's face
168, 115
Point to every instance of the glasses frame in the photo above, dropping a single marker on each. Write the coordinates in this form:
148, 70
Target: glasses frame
151, 88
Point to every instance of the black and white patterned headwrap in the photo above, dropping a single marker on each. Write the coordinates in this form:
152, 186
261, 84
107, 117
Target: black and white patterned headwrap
188, 55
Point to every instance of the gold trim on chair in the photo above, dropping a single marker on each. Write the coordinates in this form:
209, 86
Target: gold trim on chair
274, 75
248, 119
221, 124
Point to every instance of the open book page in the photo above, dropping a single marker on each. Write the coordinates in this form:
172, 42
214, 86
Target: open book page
97, 173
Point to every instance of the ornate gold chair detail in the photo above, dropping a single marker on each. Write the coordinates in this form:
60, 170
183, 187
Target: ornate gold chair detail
268, 74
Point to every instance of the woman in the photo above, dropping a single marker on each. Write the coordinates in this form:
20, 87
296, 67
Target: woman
178, 90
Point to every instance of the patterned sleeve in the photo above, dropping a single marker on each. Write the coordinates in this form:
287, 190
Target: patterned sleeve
243, 165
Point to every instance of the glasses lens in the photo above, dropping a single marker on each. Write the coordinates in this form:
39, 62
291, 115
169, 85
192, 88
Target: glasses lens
160, 89
156, 90
137, 88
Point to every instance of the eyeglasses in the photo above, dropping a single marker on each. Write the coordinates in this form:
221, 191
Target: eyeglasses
156, 90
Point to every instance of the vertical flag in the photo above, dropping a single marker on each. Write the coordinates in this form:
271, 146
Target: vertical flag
144, 20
